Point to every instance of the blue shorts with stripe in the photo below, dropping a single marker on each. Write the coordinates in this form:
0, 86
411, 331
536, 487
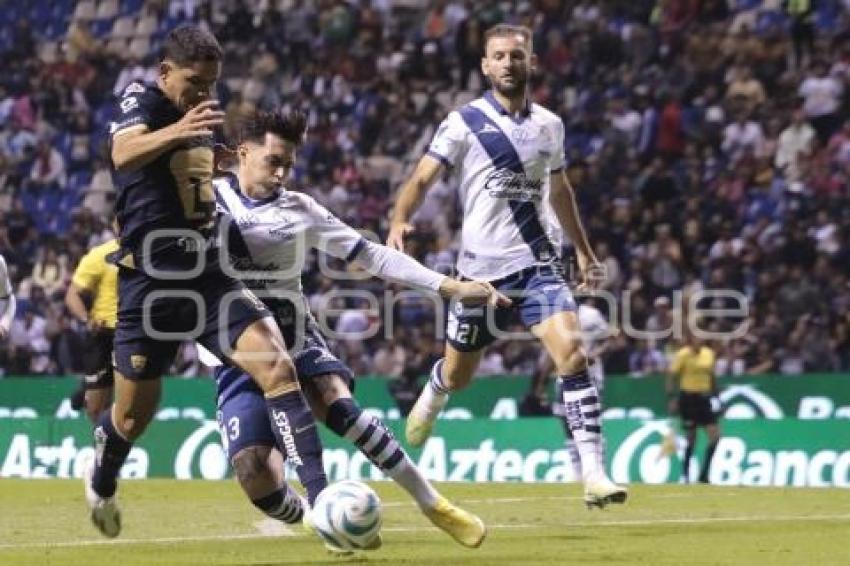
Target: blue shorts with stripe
243, 419
537, 292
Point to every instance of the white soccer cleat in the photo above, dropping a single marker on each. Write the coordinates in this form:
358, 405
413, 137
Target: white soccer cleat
420, 422
105, 514
600, 491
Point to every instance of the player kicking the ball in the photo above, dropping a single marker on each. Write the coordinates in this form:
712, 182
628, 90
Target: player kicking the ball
509, 157
270, 231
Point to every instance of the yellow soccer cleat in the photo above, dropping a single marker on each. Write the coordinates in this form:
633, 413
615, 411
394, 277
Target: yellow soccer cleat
420, 423
463, 526
599, 492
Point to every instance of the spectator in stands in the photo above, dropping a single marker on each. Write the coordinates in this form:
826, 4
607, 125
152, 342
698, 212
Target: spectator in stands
30, 347
50, 273
646, 360
48, 168
380, 77
822, 100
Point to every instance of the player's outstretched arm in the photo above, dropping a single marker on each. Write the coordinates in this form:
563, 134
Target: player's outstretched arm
410, 197
136, 147
563, 201
392, 265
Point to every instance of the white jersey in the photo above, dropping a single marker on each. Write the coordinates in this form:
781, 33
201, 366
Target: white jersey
594, 330
503, 164
7, 298
5, 283
269, 239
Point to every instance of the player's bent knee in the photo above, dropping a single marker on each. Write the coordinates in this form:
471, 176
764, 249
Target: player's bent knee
130, 427
274, 374
132, 423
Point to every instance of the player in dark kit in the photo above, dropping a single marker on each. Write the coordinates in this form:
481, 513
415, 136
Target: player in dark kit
170, 284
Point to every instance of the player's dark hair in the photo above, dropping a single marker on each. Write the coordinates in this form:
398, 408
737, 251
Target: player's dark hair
189, 44
290, 126
508, 30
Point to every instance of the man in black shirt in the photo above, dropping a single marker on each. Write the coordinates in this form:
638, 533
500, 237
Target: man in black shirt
171, 285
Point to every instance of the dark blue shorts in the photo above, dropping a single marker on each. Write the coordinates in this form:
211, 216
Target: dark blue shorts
155, 316
242, 415
243, 421
537, 292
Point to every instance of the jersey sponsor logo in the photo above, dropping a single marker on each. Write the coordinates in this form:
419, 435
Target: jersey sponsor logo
282, 233
133, 88
507, 184
128, 104
247, 220
489, 128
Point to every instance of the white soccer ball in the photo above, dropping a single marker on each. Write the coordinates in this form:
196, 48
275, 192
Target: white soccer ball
347, 515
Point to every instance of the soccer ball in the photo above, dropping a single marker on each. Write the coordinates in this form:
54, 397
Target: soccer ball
347, 515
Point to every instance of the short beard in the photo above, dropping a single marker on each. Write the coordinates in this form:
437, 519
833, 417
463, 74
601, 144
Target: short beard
518, 89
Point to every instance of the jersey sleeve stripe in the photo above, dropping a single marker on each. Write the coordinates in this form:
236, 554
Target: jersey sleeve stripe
129, 129
439, 158
358, 247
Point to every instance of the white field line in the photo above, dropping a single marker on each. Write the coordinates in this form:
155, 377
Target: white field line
498, 500
269, 527
508, 526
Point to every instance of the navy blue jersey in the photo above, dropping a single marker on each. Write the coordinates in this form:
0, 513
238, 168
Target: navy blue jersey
173, 192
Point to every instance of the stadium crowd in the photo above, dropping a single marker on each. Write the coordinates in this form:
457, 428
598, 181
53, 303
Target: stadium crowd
706, 139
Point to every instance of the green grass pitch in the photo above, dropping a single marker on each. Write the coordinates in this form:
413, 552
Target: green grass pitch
197, 522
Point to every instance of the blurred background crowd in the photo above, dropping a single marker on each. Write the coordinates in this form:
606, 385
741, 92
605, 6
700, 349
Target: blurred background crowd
707, 141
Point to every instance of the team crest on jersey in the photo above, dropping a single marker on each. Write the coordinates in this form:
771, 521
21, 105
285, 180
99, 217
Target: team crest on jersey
521, 135
138, 362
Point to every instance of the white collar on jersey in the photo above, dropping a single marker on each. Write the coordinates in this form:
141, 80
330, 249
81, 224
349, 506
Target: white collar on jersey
246, 200
525, 112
